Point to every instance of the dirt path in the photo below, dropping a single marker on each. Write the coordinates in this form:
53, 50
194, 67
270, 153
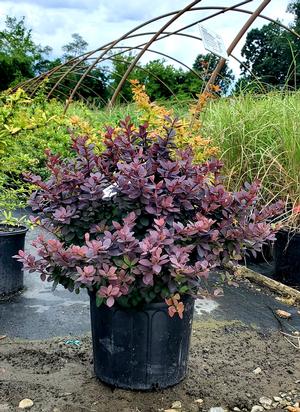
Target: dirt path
58, 377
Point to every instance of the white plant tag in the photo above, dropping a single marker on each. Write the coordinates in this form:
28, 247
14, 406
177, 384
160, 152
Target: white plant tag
213, 42
109, 191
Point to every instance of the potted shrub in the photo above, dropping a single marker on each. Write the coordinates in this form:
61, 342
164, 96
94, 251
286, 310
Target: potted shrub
287, 248
12, 235
140, 227
12, 239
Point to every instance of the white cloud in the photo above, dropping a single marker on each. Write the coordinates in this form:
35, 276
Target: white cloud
60, 4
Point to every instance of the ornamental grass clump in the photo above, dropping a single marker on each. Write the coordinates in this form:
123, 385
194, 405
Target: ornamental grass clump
140, 222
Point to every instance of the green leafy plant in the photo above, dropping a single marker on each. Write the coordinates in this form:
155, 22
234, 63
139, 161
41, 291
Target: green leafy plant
28, 126
9, 220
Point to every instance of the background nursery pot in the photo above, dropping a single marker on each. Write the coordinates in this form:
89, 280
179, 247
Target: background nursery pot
287, 257
266, 255
12, 239
151, 352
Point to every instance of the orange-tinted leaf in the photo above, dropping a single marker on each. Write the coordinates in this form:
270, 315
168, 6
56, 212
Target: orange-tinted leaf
172, 311
296, 209
180, 309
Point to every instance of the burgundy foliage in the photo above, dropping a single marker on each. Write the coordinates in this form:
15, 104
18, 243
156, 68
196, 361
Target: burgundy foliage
164, 226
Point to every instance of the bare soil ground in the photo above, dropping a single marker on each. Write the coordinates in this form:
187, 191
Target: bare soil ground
224, 354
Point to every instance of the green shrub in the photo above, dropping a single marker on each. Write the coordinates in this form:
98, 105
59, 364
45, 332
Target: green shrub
27, 127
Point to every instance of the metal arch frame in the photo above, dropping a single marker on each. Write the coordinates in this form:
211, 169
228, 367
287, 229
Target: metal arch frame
145, 46
85, 56
110, 45
41, 77
223, 9
137, 58
159, 35
149, 50
112, 58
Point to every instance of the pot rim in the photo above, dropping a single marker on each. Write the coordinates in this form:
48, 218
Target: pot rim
17, 230
154, 305
289, 232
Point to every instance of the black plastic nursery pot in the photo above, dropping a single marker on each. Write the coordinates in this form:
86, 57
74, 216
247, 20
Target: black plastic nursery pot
140, 349
12, 239
266, 255
287, 257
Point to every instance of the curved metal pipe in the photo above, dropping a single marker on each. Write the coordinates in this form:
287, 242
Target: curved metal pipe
109, 46
140, 54
113, 43
86, 56
157, 34
97, 95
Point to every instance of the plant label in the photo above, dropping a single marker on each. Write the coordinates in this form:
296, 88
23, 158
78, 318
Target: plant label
213, 42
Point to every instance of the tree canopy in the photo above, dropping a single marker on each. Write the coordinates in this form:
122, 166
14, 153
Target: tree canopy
20, 57
273, 54
205, 64
75, 48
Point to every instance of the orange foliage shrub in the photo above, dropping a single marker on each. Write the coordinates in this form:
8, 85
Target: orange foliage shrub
188, 128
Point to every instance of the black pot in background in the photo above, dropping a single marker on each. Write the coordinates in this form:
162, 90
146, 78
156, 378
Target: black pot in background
140, 349
12, 239
287, 257
266, 255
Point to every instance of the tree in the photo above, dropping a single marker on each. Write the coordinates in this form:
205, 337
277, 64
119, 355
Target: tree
268, 54
294, 8
75, 48
120, 63
162, 80
20, 57
94, 83
273, 54
205, 64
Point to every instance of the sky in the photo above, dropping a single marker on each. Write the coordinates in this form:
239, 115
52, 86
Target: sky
102, 21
